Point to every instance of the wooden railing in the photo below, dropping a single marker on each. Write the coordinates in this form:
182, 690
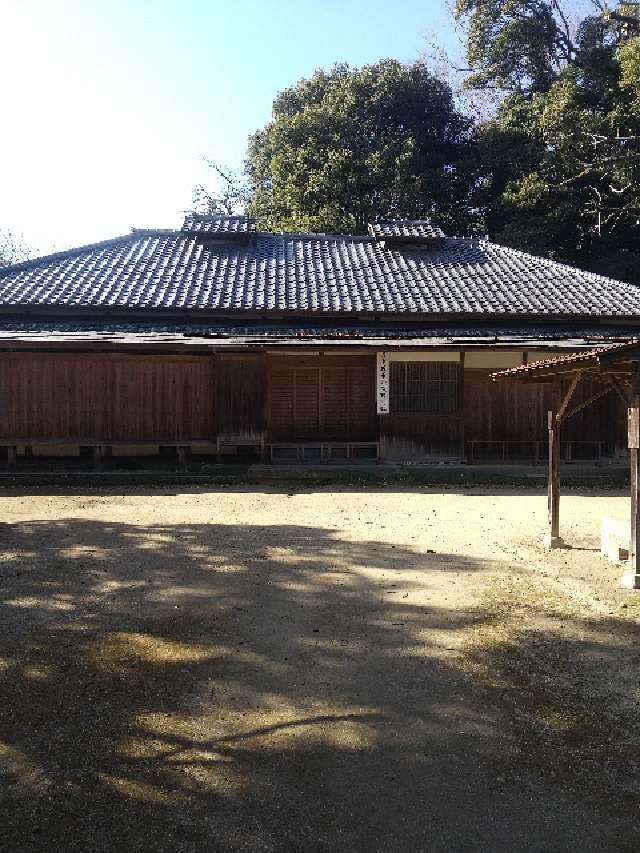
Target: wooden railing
505, 451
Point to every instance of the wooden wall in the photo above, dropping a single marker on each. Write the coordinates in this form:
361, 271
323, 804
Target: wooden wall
503, 420
321, 398
108, 398
421, 436
240, 385
77, 397
515, 411
506, 410
425, 435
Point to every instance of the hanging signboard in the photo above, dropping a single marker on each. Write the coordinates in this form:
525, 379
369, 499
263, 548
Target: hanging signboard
382, 383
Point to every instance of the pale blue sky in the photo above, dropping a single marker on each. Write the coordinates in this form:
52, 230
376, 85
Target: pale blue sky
110, 106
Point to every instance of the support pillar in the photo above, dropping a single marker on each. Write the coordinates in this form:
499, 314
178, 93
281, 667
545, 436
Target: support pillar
552, 536
631, 577
97, 458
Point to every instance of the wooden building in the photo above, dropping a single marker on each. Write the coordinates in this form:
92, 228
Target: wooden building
219, 339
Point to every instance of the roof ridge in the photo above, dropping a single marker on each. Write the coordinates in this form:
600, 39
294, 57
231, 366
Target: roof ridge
77, 250
311, 235
217, 215
176, 231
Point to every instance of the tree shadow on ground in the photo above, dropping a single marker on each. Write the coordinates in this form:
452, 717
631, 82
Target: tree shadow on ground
222, 687
566, 676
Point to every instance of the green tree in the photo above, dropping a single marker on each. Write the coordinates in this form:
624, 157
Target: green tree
559, 165
349, 145
520, 45
227, 195
12, 248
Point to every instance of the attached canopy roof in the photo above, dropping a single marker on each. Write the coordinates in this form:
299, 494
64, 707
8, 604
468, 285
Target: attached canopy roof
192, 271
620, 359
611, 368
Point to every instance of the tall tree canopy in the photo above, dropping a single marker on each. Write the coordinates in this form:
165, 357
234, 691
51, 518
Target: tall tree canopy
350, 145
559, 166
12, 248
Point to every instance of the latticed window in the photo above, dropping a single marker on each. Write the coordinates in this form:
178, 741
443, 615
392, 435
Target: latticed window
425, 386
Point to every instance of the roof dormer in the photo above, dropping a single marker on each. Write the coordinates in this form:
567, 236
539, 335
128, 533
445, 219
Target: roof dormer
219, 227
406, 232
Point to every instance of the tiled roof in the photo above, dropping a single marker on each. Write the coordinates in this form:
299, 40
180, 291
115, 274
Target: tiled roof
310, 274
202, 223
411, 229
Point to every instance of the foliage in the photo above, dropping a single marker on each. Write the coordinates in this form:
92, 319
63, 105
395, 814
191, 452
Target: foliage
516, 44
349, 145
12, 248
227, 196
546, 159
559, 165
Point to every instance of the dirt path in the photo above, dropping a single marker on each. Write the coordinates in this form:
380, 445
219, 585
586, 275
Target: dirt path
360, 670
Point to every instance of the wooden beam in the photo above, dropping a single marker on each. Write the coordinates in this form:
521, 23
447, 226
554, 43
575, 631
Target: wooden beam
567, 397
593, 399
618, 388
635, 382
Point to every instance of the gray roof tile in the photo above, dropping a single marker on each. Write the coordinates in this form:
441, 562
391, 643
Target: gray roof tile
203, 223
411, 229
306, 274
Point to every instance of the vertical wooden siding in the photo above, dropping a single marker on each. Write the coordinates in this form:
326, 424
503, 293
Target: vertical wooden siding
508, 411
240, 382
435, 430
321, 398
515, 411
77, 397
421, 436
110, 398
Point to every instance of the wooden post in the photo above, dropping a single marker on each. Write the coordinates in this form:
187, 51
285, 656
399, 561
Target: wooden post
552, 536
97, 457
631, 578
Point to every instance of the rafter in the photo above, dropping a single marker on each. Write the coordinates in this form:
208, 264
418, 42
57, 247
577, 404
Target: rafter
592, 399
616, 384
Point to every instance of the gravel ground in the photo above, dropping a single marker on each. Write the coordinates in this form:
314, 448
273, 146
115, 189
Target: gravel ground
348, 669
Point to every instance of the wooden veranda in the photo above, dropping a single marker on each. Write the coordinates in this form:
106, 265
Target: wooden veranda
614, 370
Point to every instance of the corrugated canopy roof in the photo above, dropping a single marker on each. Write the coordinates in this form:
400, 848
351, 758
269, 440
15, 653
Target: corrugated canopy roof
595, 359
